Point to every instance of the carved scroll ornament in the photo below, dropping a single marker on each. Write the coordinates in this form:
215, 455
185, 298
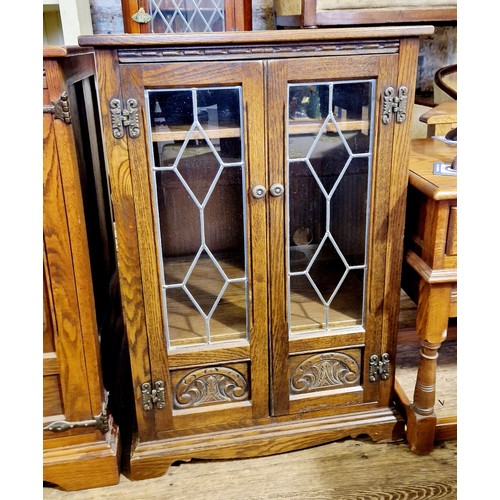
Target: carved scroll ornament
323, 371
210, 385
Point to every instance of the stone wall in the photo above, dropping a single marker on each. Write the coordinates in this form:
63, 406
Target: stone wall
107, 16
436, 51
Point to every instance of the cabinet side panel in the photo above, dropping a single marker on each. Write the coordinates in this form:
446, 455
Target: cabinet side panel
49, 331
52, 398
67, 139
61, 281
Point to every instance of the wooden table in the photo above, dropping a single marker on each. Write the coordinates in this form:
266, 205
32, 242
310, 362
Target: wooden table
429, 278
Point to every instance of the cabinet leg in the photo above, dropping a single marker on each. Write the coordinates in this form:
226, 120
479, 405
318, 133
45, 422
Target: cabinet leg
421, 425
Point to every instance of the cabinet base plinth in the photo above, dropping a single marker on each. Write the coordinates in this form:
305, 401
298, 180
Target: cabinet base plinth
82, 467
152, 459
421, 432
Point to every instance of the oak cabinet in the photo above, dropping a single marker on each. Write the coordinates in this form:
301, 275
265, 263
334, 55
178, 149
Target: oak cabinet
258, 183
80, 438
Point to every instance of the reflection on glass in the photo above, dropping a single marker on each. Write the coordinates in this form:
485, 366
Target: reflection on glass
197, 150
174, 16
329, 158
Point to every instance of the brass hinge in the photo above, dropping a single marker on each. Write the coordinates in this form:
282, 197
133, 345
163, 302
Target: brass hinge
152, 396
100, 422
394, 104
59, 108
128, 117
379, 367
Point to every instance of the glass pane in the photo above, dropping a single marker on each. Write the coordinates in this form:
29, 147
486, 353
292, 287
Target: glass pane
307, 311
174, 16
329, 157
199, 179
216, 130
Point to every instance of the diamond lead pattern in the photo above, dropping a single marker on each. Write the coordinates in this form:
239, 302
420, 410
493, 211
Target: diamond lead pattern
328, 156
173, 16
199, 167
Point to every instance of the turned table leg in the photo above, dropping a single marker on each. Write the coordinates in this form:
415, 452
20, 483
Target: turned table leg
432, 324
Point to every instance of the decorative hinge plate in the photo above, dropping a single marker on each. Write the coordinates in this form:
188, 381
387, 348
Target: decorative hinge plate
394, 104
100, 422
379, 367
128, 117
59, 108
152, 396
141, 16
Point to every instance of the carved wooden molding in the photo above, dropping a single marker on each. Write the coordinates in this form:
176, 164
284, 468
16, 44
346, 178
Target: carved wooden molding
258, 51
323, 371
210, 385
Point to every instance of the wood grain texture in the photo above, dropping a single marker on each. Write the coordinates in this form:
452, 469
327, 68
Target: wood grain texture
352, 469
69, 345
76, 69
90, 465
430, 277
129, 8
407, 70
441, 119
153, 459
141, 183
72, 383
128, 260
446, 376
375, 16
423, 154
256, 147
379, 234
247, 37
277, 74
243, 428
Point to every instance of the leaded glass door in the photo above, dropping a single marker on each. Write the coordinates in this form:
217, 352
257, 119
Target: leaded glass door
186, 16
200, 151
171, 16
323, 226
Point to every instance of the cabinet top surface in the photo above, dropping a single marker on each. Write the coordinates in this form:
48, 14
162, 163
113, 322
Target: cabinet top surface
423, 154
54, 51
252, 37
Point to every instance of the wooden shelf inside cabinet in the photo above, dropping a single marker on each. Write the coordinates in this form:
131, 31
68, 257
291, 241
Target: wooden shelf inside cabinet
297, 127
173, 133
309, 126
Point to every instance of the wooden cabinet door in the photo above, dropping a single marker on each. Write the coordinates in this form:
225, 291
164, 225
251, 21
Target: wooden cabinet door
66, 377
330, 236
201, 241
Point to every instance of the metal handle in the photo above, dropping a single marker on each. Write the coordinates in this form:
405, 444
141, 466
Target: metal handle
259, 191
277, 189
